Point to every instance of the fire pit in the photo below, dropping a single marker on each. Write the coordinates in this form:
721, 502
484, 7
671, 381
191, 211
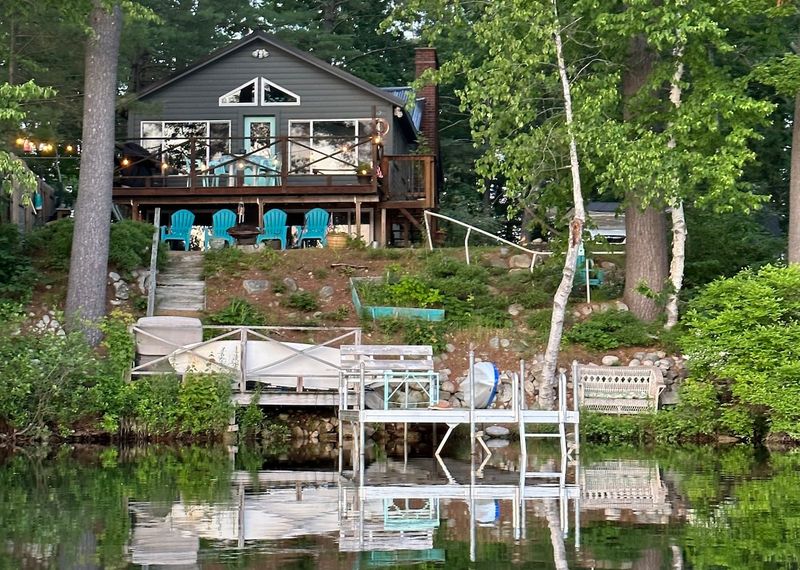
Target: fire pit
244, 234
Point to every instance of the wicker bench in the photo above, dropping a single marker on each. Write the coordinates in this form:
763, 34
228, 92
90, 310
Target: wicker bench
618, 389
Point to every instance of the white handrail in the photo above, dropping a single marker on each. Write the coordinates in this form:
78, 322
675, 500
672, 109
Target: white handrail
470, 229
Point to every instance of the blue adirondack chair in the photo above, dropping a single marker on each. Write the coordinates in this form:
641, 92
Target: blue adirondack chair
180, 227
596, 276
315, 227
222, 221
274, 227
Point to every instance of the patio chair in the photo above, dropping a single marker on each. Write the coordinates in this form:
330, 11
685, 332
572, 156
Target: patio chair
222, 221
180, 227
274, 227
315, 226
596, 276
216, 174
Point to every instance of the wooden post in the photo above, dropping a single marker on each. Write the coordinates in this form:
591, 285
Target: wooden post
384, 238
284, 163
260, 212
358, 217
192, 163
135, 211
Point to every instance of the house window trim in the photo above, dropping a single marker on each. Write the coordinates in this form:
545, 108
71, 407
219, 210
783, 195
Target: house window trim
277, 103
311, 136
164, 139
257, 97
260, 101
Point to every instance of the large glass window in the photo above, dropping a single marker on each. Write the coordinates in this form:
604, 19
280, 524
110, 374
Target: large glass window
329, 146
170, 140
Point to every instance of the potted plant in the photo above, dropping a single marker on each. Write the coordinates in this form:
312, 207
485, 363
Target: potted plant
337, 240
364, 173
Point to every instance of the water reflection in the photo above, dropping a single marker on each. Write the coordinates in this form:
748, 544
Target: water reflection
201, 508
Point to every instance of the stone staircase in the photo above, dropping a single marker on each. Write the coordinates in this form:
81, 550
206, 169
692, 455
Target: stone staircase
181, 289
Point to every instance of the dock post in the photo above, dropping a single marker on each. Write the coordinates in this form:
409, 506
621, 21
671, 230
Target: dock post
361, 435
472, 401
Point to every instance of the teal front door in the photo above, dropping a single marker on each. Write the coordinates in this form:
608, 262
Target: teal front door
259, 136
263, 166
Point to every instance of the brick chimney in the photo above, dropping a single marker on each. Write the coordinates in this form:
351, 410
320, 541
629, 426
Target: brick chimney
425, 58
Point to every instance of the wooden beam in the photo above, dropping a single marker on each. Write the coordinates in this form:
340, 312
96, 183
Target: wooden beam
411, 218
407, 204
236, 191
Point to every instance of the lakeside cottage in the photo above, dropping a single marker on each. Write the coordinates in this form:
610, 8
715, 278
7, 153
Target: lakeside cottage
259, 125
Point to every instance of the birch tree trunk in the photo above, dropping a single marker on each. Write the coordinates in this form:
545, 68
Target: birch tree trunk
86, 292
547, 397
794, 187
679, 232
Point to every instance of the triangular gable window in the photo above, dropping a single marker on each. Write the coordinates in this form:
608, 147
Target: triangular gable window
270, 94
273, 94
242, 95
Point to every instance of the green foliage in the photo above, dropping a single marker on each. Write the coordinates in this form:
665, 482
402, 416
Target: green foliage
340, 314
743, 338
610, 329
47, 378
539, 324
238, 312
232, 261
16, 273
204, 404
424, 332
406, 291
723, 244
251, 418
303, 301
603, 428
164, 406
129, 247
131, 244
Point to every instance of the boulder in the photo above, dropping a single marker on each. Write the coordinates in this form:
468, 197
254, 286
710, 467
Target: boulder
520, 261
121, 290
326, 292
290, 284
515, 309
497, 431
253, 286
610, 360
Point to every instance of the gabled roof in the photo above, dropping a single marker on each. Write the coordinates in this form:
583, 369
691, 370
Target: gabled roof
276, 43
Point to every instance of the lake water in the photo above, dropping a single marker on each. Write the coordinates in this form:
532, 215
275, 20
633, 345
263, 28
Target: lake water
195, 507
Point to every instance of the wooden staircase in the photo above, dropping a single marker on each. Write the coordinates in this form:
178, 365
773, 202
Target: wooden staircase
181, 288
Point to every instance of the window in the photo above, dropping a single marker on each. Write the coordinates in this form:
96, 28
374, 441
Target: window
329, 146
170, 141
248, 94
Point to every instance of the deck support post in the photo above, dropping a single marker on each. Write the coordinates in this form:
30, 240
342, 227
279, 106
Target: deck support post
383, 234
358, 217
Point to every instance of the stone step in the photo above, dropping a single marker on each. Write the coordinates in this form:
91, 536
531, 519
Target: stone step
197, 289
178, 279
179, 300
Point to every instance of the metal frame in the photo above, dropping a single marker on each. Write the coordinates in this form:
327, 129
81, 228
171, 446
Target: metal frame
470, 229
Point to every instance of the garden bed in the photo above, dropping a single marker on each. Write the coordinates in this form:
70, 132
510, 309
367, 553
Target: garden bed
386, 312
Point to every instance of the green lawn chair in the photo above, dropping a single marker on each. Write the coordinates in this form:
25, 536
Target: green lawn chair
180, 227
222, 221
315, 226
596, 276
274, 227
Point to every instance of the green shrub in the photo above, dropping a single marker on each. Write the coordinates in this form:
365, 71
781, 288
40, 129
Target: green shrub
232, 261
155, 404
602, 428
303, 301
238, 312
17, 276
424, 332
539, 324
129, 245
407, 291
743, 338
251, 417
46, 381
204, 404
611, 329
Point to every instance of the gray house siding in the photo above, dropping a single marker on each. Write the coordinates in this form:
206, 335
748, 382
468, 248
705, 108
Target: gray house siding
322, 95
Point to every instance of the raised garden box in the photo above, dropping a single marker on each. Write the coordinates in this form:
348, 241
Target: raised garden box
390, 312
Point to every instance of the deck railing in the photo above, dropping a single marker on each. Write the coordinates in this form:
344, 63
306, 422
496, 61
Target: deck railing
231, 165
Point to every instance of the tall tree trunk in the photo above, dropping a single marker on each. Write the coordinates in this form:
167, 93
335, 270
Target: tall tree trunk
548, 394
86, 293
645, 228
794, 187
676, 265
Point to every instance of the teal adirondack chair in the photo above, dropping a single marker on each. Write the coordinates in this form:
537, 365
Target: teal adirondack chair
596, 276
222, 221
274, 227
315, 227
180, 227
